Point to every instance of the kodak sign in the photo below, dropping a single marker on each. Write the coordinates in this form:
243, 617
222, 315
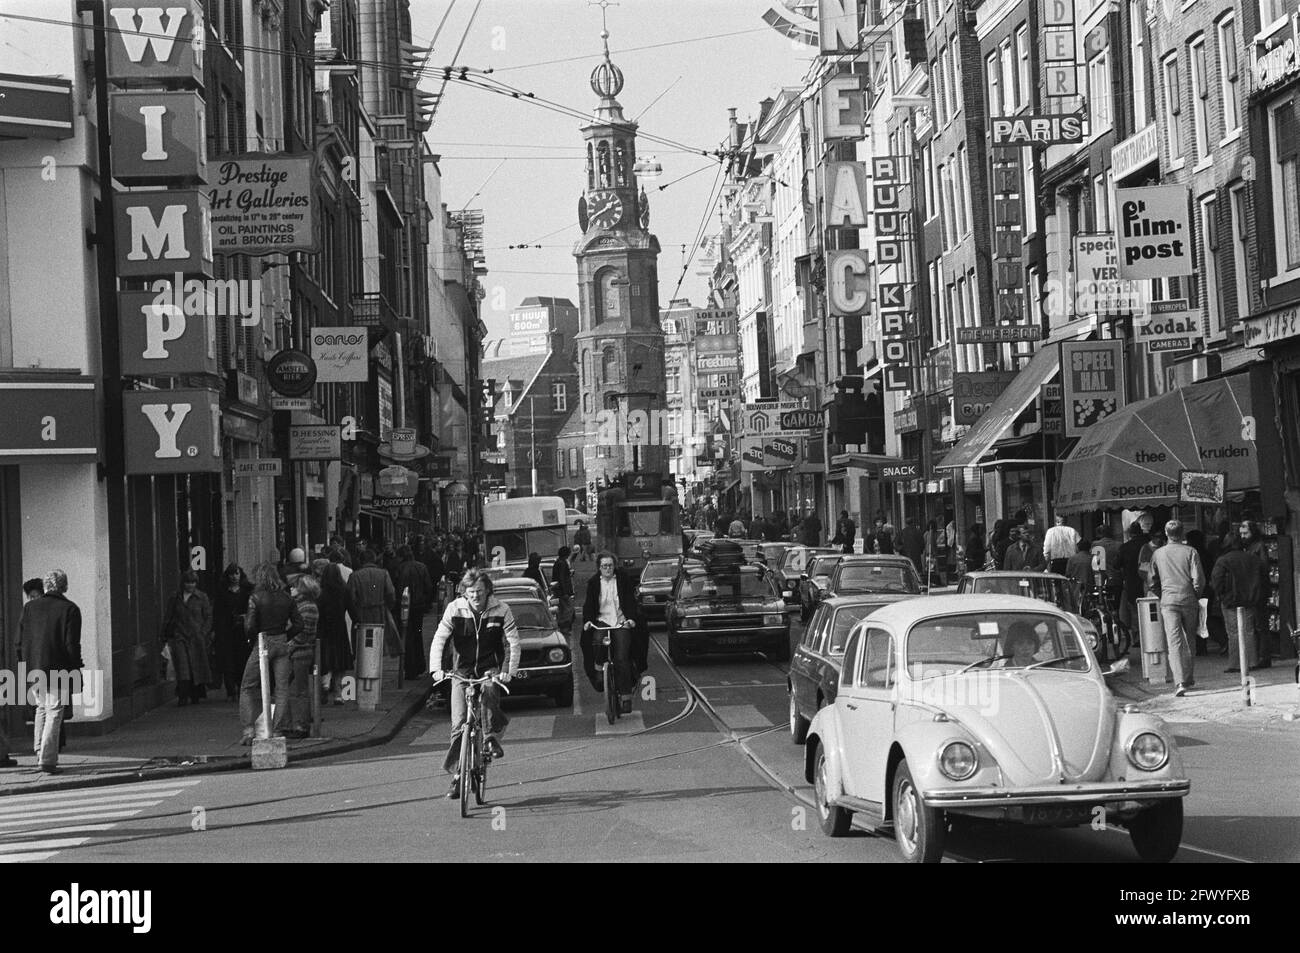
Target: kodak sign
155, 44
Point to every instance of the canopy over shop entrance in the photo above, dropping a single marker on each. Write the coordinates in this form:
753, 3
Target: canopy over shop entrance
1134, 458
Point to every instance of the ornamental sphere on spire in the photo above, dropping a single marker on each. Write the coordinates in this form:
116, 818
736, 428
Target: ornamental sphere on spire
606, 79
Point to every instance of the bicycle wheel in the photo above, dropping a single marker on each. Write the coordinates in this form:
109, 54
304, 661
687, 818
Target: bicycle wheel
1123, 640
466, 765
611, 693
480, 781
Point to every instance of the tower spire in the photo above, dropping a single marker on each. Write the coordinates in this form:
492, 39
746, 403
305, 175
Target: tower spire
606, 78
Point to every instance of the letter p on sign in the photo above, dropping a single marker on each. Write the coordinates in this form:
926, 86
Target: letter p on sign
163, 323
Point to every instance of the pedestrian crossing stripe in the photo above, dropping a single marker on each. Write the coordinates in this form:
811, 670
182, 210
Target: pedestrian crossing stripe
32, 825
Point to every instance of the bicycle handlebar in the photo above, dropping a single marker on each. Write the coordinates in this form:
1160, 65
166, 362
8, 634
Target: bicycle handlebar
475, 681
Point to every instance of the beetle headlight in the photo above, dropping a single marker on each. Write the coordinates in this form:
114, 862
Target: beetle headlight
1148, 751
556, 655
958, 761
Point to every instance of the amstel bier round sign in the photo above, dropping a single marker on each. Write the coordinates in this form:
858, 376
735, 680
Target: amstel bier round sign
291, 373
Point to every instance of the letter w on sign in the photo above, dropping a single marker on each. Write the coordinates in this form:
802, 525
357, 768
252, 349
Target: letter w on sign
152, 31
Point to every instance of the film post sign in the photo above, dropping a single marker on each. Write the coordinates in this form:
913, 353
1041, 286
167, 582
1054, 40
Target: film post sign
1092, 373
1155, 235
263, 203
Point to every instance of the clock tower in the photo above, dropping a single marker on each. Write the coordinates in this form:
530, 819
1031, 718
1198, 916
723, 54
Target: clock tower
620, 341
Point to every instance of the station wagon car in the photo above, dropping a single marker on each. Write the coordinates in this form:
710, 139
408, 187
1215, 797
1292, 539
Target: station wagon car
815, 666
989, 706
545, 660
725, 612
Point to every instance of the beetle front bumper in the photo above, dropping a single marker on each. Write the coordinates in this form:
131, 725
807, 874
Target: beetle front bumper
1086, 792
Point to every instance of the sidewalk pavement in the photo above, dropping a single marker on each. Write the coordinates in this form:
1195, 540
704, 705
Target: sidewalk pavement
1217, 695
168, 742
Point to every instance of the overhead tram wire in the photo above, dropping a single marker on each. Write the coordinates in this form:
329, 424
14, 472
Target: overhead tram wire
714, 193
442, 90
630, 49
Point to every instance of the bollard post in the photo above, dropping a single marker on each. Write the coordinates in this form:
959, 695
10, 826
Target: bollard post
264, 667
315, 689
1244, 664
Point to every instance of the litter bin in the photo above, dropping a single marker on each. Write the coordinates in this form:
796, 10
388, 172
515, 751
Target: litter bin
1151, 635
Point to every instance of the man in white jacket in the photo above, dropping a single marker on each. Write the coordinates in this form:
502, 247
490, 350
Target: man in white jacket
1060, 543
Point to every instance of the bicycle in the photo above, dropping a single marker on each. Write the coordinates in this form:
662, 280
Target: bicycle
602, 645
474, 756
1112, 633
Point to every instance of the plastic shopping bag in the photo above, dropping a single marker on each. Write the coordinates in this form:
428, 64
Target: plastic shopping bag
1202, 628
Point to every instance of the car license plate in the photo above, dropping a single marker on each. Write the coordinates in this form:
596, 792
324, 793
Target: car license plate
1058, 814
731, 640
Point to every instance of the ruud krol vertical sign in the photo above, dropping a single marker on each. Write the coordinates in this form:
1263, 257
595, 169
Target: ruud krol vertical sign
1155, 236
1093, 375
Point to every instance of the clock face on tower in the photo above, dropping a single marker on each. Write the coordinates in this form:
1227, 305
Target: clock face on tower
605, 209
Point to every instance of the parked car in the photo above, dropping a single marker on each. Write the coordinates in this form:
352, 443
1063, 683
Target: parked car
1060, 591
772, 553
696, 536
793, 563
993, 707
545, 659
522, 584
812, 580
855, 575
727, 611
656, 586
815, 666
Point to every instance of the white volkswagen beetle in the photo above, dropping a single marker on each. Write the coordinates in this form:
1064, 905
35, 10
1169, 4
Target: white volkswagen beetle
989, 706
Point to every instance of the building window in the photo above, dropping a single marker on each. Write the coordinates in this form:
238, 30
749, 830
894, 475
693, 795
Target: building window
674, 376
1200, 99
993, 72
575, 462
1022, 65
1239, 250
1138, 62
1173, 109
1099, 92
931, 194
949, 225
963, 185
582, 365
1010, 93
1284, 148
1210, 266
951, 94
1272, 14
936, 71
586, 403
560, 396
936, 318
1100, 204
608, 366
955, 58
559, 463
1229, 78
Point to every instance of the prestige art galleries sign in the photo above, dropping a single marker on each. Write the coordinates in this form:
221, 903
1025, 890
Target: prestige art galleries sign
263, 203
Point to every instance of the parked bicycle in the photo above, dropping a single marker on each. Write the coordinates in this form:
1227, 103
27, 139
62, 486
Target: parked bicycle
474, 753
1114, 637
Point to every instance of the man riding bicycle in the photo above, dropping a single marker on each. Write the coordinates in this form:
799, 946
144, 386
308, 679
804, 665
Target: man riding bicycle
611, 604
483, 632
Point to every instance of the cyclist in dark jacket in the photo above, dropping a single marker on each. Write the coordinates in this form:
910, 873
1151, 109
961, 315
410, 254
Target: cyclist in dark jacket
483, 632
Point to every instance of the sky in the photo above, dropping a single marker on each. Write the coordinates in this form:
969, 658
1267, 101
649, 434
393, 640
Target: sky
684, 62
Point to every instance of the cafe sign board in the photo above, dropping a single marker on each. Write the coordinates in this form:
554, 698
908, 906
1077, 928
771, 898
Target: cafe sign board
1275, 326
